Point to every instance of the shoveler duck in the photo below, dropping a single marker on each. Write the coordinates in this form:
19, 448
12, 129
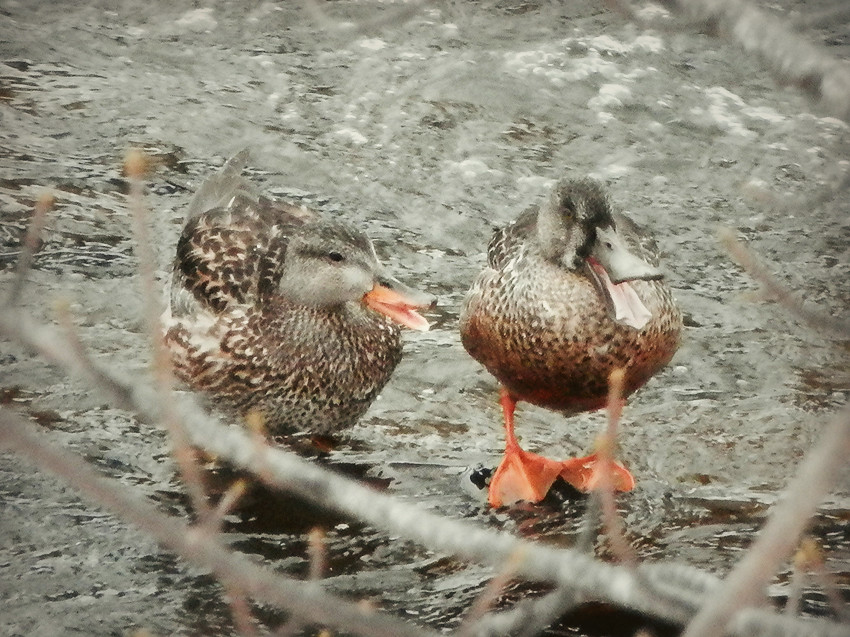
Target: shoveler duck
278, 311
571, 293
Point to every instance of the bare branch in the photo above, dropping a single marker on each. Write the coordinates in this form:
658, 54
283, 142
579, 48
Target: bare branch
790, 57
745, 585
589, 530
289, 472
760, 273
671, 592
135, 166
528, 617
472, 622
227, 502
307, 601
29, 245
240, 609
835, 186
318, 553
763, 623
612, 523
809, 560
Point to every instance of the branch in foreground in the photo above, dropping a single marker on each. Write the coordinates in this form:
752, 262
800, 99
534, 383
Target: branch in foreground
611, 521
816, 320
809, 563
790, 57
135, 166
198, 545
781, 535
29, 246
671, 592
289, 472
528, 617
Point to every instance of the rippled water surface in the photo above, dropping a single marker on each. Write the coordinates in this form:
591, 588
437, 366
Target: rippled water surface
428, 132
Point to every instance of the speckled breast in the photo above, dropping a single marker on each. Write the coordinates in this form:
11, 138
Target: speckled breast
546, 335
301, 370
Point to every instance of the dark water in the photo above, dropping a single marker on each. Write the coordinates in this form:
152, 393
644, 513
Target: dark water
429, 133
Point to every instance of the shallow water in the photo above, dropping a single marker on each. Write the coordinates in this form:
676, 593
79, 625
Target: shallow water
428, 133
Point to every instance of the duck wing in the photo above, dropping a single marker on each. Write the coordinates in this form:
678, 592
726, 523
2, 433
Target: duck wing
637, 239
506, 241
233, 243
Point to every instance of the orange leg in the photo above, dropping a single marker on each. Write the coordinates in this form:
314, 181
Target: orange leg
521, 475
527, 476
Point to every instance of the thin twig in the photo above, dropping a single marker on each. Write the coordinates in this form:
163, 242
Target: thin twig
763, 623
795, 592
209, 521
586, 541
29, 245
611, 520
809, 561
783, 295
745, 585
529, 617
240, 608
318, 553
829, 585
287, 471
835, 186
135, 166
483, 602
226, 503
801, 564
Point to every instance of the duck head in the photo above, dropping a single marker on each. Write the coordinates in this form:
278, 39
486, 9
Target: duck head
328, 264
576, 230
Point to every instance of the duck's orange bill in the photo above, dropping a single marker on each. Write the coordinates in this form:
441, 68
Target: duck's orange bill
397, 306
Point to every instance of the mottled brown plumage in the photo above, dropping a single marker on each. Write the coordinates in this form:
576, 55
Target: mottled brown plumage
273, 310
541, 318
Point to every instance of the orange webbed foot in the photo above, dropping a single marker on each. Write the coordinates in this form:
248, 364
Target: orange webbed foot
586, 473
528, 476
522, 476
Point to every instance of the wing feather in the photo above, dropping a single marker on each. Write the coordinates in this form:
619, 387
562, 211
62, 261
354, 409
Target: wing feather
233, 243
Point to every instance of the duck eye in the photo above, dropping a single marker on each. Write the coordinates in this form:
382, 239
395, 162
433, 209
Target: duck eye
336, 257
